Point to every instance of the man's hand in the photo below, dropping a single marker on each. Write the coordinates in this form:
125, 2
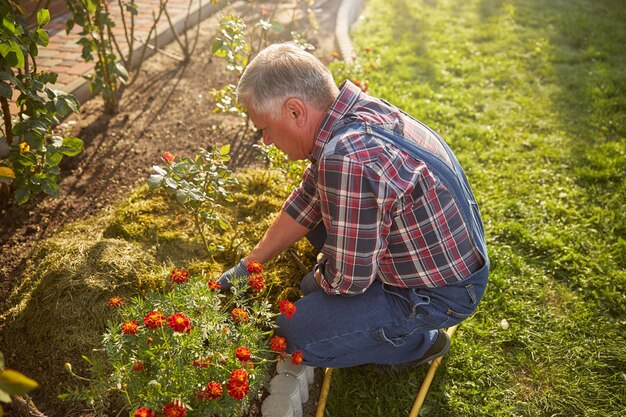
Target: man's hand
237, 271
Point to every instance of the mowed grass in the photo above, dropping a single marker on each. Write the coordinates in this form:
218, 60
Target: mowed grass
531, 95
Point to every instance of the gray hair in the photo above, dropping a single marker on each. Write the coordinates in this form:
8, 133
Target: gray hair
282, 71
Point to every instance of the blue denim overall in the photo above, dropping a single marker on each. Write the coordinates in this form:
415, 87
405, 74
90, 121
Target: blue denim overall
386, 324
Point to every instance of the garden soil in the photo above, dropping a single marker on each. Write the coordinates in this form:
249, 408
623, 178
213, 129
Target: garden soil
168, 108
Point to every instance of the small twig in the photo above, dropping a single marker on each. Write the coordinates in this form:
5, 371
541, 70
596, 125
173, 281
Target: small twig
178, 41
25, 407
6, 114
162, 52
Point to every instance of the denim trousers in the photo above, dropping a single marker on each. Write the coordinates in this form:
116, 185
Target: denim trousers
385, 324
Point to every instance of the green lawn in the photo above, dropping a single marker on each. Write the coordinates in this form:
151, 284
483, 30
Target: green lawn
531, 95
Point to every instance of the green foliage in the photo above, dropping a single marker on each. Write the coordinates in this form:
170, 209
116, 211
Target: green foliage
61, 303
35, 153
199, 185
230, 44
277, 160
97, 39
527, 95
358, 70
164, 360
237, 44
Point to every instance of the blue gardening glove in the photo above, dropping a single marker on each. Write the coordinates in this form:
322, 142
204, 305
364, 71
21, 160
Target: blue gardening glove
238, 271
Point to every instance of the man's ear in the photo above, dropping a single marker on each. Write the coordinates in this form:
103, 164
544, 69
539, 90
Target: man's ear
296, 110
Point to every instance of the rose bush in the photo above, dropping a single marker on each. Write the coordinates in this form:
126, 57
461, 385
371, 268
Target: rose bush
192, 350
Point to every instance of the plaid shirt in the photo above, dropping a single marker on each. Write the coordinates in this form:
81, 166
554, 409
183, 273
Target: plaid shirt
386, 215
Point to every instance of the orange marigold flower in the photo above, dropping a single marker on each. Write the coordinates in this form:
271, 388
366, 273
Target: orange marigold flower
255, 267
296, 357
239, 315
242, 353
214, 285
154, 319
174, 409
237, 386
212, 391
239, 375
335, 55
278, 344
169, 158
179, 276
179, 323
138, 366
130, 327
115, 301
287, 308
144, 412
237, 391
256, 282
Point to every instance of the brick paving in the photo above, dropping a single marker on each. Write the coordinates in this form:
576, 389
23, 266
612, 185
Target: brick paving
63, 53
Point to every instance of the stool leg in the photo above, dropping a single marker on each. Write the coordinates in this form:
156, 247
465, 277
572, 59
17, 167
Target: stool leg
421, 394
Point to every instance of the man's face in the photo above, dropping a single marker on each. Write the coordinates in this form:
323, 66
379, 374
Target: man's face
283, 132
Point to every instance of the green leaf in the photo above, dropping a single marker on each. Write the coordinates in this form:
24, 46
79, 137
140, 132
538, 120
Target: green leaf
225, 150
223, 224
54, 158
170, 182
9, 25
22, 195
13, 55
159, 170
63, 103
33, 50
197, 195
43, 37
43, 17
15, 383
182, 196
5, 90
72, 146
37, 179
91, 6
51, 188
155, 181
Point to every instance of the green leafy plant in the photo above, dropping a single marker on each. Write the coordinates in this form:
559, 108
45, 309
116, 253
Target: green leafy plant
357, 70
35, 152
191, 350
93, 16
200, 185
278, 160
231, 45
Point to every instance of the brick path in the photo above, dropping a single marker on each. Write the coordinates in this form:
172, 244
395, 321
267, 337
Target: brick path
63, 54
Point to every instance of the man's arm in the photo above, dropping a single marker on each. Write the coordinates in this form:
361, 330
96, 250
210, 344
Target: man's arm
282, 233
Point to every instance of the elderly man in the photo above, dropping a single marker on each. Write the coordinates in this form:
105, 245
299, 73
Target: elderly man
385, 202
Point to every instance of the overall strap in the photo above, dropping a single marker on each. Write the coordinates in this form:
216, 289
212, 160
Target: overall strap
453, 176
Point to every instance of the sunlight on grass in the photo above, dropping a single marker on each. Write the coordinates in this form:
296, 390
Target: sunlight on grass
531, 96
